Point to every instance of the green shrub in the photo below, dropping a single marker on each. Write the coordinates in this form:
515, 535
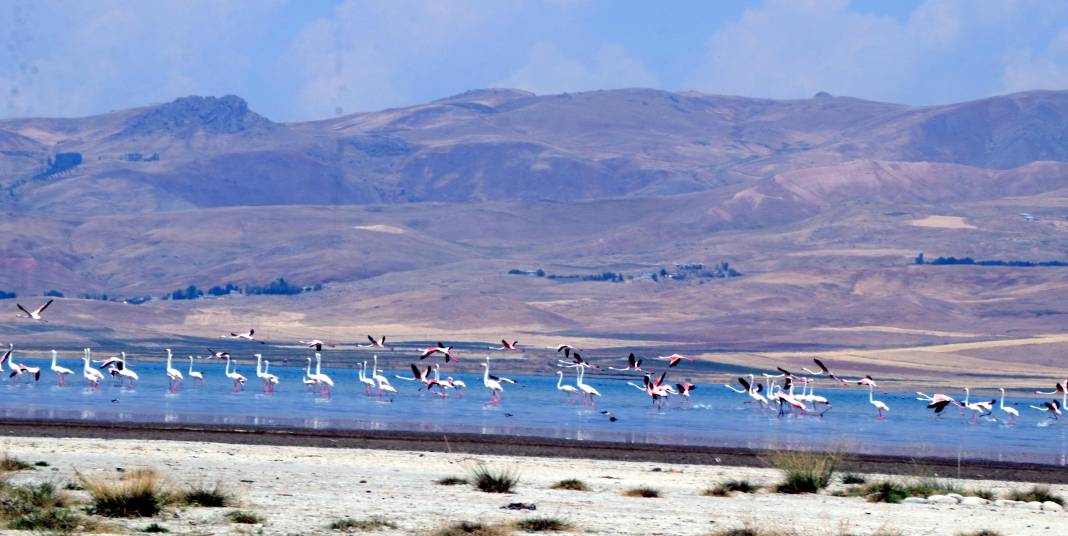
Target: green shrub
726, 489
805, 472
468, 528
494, 480
853, 478
11, 463
155, 527
1036, 493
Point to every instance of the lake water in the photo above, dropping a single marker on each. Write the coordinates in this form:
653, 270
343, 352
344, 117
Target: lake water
713, 416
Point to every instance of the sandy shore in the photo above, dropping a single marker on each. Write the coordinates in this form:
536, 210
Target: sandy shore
300, 490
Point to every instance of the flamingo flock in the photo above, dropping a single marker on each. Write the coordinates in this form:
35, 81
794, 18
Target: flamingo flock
782, 392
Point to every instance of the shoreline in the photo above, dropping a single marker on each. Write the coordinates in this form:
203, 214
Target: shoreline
521, 446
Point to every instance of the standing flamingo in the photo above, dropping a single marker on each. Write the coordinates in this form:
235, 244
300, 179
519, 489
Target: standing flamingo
589, 391
1010, 411
238, 379
494, 386
569, 389
325, 383
368, 383
310, 379
173, 374
196, 375
269, 380
61, 372
879, 405
91, 375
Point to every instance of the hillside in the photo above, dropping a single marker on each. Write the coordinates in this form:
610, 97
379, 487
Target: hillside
413, 217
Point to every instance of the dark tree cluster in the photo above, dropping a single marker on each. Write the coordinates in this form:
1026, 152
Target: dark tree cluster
941, 261
4, 295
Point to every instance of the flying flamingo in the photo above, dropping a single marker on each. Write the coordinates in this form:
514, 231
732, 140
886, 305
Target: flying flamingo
494, 386
238, 379
90, 374
685, 388
325, 383
938, 402
823, 371
375, 343
576, 361
217, 355
196, 375
173, 374
565, 348
440, 348
61, 372
570, 389
36, 313
1053, 407
367, 382
879, 404
507, 345
317, 344
1011, 411
674, 359
633, 363
589, 391
250, 336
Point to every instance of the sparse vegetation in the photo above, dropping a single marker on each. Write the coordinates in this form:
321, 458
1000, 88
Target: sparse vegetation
853, 478
983, 532
451, 481
213, 497
137, 493
11, 463
362, 525
642, 491
572, 484
805, 472
542, 524
244, 518
726, 489
492, 480
468, 528
155, 527
886, 491
1036, 493
39, 508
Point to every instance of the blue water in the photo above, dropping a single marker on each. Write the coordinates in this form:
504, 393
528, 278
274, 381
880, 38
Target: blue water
714, 416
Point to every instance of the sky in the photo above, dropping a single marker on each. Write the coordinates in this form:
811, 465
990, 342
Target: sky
312, 59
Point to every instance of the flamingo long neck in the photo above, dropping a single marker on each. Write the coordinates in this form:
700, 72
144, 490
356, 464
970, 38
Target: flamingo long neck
437, 376
227, 370
266, 366
582, 370
190, 364
967, 396
259, 365
307, 371
871, 394
752, 384
53, 358
485, 374
559, 380
318, 364
169, 359
374, 367
1002, 399
362, 375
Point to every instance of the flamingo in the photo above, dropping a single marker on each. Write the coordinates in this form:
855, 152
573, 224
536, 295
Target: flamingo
1011, 411
173, 374
633, 363
36, 313
218, 355
440, 348
18, 369
90, 374
880, 406
494, 386
786, 396
565, 348
938, 402
325, 383
685, 388
507, 345
589, 391
367, 382
309, 379
445, 384
824, 371
317, 344
576, 361
269, 380
196, 375
752, 389
375, 343
124, 372
1053, 407
250, 336
238, 379
978, 409
570, 389
61, 372
674, 359
1061, 388
381, 380
419, 376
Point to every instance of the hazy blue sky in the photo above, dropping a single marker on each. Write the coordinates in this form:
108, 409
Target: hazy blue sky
312, 59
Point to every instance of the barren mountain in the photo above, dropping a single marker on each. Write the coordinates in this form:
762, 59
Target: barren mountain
412, 219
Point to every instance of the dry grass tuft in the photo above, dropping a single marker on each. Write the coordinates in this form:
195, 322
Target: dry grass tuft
361, 525
215, 496
1036, 493
451, 481
39, 508
9, 463
469, 528
543, 524
728, 488
245, 518
572, 484
137, 493
642, 491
